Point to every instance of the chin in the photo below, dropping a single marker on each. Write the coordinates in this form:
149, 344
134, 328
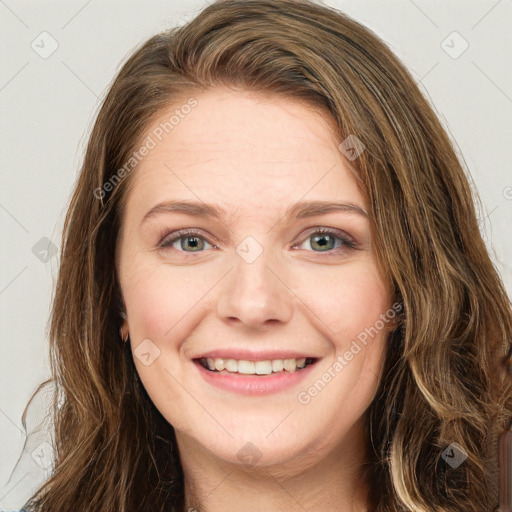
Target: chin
253, 447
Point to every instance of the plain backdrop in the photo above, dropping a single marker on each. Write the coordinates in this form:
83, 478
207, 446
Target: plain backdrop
58, 57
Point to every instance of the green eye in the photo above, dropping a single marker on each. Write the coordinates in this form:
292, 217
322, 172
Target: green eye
319, 242
188, 240
324, 240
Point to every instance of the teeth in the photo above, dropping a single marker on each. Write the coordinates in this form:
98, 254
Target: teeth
247, 367
231, 365
263, 367
277, 365
290, 365
254, 367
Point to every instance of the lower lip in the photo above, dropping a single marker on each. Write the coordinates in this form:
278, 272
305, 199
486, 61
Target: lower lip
253, 384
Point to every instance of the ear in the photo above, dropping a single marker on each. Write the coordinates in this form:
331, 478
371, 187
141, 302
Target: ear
397, 320
123, 330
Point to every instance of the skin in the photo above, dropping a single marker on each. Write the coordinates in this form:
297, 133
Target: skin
254, 156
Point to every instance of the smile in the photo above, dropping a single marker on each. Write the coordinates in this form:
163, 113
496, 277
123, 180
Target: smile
257, 378
246, 367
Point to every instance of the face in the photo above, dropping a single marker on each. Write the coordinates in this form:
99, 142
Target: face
254, 278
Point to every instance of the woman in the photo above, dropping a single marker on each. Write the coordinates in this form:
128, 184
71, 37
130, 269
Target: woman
366, 378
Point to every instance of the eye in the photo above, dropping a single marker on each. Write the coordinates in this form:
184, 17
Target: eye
319, 240
324, 240
188, 239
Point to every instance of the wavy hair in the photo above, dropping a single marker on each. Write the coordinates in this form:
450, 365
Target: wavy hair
443, 380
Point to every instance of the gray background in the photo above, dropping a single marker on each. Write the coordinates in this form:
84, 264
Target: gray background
48, 103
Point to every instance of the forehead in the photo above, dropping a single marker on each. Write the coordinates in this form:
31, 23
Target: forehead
244, 149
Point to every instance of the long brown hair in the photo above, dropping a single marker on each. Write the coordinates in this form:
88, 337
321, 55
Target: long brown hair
442, 381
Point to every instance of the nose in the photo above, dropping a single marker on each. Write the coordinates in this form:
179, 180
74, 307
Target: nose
255, 294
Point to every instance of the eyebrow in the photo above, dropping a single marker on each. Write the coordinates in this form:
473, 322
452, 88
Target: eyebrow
300, 210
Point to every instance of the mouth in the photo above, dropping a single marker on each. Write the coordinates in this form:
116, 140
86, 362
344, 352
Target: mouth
256, 368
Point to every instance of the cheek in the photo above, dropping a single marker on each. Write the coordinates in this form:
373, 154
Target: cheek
352, 299
164, 303
157, 305
154, 297
149, 304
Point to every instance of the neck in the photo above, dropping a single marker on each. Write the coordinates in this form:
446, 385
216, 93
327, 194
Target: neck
317, 479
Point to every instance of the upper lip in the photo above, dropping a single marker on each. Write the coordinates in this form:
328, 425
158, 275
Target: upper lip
254, 355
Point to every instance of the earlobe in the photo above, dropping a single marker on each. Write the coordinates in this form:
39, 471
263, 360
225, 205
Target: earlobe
396, 320
123, 330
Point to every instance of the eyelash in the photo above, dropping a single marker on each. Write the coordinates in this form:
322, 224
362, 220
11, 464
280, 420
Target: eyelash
348, 243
